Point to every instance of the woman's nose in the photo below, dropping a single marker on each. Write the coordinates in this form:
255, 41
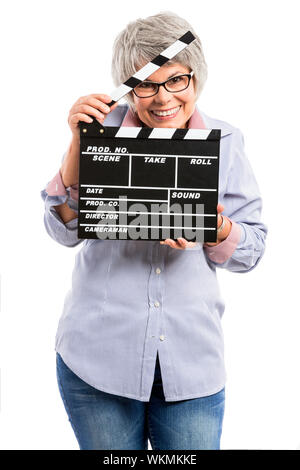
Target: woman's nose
163, 96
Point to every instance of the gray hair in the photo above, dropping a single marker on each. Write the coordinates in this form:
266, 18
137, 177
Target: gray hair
144, 39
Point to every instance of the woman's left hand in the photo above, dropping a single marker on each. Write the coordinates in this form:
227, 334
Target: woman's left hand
182, 243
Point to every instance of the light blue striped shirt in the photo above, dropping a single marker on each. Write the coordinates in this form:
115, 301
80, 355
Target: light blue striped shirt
133, 299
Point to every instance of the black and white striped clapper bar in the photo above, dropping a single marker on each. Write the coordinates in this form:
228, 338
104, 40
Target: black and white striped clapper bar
140, 183
152, 66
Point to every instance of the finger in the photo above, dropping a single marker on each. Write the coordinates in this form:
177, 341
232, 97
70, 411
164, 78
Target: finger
165, 242
75, 118
95, 103
175, 244
191, 244
106, 99
95, 100
102, 97
170, 243
86, 109
81, 100
220, 208
182, 242
185, 244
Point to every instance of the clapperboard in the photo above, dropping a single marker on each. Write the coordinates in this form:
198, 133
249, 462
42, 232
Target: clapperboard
148, 184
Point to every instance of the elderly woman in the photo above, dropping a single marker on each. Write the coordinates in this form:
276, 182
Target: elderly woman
139, 344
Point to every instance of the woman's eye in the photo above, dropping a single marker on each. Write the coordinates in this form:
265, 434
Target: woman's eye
145, 85
175, 80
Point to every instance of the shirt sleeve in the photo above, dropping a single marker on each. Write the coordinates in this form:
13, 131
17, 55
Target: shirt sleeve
54, 194
242, 250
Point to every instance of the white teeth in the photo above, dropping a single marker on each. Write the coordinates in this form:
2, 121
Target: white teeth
167, 113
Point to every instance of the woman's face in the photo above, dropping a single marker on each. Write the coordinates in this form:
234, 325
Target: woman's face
183, 103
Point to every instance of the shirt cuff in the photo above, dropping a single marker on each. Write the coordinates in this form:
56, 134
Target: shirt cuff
74, 192
222, 252
56, 188
72, 224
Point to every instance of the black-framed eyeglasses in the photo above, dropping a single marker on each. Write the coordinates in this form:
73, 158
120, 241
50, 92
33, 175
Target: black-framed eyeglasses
173, 85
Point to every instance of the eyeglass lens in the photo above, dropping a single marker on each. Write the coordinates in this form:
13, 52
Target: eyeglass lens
173, 85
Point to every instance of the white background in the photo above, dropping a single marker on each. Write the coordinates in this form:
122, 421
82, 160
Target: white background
54, 52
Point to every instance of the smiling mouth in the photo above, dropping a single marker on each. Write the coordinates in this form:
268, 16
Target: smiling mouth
167, 113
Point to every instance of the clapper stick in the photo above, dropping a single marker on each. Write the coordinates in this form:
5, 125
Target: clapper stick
151, 67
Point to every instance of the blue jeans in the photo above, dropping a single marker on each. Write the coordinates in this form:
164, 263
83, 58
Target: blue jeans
101, 420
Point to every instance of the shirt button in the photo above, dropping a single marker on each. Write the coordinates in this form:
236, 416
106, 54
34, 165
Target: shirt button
158, 271
161, 337
156, 304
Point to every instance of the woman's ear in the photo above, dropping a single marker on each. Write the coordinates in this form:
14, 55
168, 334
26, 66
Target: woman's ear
131, 101
197, 93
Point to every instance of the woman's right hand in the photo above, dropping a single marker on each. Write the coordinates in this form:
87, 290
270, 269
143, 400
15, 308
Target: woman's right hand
94, 105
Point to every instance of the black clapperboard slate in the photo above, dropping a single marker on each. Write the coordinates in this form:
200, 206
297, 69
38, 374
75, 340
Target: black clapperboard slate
140, 183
